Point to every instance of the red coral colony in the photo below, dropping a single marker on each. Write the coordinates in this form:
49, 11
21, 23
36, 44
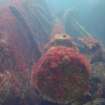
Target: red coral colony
61, 75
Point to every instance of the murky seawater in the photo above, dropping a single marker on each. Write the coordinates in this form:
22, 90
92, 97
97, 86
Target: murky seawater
52, 52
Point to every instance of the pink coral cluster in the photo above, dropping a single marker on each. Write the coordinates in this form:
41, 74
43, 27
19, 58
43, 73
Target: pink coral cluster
61, 75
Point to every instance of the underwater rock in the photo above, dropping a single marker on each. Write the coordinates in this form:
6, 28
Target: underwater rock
61, 75
97, 101
9, 88
7, 59
60, 40
15, 88
17, 36
99, 71
92, 48
99, 55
